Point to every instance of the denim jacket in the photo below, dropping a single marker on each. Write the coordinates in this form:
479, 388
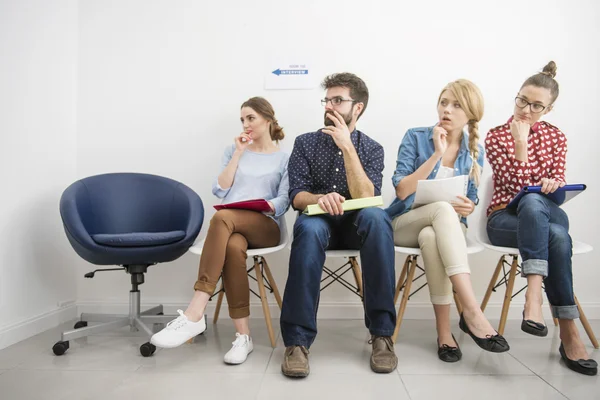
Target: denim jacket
416, 148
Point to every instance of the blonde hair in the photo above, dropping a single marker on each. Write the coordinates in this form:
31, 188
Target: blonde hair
471, 101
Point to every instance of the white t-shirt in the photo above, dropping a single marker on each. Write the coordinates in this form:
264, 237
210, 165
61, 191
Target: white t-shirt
444, 172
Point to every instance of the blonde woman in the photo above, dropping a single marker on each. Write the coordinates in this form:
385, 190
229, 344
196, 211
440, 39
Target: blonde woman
445, 150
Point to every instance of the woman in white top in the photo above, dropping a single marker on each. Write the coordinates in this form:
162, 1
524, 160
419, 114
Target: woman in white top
253, 168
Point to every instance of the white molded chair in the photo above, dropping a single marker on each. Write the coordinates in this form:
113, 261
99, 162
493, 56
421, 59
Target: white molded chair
264, 278
508, 279
337, 275
407, 278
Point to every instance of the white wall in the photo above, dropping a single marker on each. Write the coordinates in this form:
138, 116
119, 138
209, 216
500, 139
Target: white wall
38, 65
160, 85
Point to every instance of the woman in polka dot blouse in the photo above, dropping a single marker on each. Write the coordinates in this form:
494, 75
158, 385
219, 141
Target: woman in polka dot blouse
526, 151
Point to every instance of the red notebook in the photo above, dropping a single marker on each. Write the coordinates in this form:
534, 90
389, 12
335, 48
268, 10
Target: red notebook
260, 205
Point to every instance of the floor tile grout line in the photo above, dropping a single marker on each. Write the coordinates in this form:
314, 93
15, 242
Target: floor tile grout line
271, 355
469, 375
262, 380
552, 386
404, 386
522, 363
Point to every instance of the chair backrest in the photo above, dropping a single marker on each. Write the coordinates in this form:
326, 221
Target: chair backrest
485, 192
130, 202
283, 232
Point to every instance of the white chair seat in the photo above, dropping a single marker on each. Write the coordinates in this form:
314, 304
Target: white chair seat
342, 253
472, 248
578, 248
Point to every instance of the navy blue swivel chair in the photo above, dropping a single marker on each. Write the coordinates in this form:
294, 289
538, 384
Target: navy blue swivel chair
134, 221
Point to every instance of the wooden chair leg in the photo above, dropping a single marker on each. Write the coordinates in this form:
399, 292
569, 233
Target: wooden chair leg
357, 276
586, 325
493, 281
219, 302
271, 282
263, 299
412, 266
401, 279
508, 294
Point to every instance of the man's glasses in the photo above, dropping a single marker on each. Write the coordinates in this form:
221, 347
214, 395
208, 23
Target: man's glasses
336, 101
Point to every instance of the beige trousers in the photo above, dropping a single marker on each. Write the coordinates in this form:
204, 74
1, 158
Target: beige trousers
437, 231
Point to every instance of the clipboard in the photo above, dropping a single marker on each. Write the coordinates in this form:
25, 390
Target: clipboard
560, 196
259, 205
445, 189
348, 205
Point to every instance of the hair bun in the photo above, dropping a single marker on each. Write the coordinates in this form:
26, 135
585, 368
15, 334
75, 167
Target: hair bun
550, 69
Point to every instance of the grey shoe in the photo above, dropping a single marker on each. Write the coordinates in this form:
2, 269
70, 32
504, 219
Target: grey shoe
383, 358
295, 362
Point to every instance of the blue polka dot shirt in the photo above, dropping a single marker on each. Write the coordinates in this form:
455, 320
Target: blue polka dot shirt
317, 164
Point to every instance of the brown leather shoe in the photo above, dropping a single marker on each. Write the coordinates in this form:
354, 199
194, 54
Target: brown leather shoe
295, 362
383, 358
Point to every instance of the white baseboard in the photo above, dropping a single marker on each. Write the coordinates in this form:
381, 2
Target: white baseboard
22, 330
29, 327
327, 310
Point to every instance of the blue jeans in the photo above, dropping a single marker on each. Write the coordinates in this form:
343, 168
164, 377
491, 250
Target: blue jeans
369, 230
540, 230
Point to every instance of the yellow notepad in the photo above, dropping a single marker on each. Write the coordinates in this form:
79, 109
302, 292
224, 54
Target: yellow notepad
348, 205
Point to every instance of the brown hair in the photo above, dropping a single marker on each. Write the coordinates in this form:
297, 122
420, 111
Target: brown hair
358, 88
471, 101
545, 79
265, 109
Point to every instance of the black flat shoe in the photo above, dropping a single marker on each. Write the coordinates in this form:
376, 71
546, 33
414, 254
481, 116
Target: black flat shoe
493, 343
533, 328
449, 354
586, 367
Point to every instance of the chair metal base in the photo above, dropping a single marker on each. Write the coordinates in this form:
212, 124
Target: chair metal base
136, 320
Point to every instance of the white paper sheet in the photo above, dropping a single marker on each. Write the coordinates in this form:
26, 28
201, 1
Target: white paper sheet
433, 190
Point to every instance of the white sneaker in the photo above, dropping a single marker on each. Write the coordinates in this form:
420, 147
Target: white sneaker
242, 346
178, 331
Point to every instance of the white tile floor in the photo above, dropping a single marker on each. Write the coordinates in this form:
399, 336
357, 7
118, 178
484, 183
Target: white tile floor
109, 366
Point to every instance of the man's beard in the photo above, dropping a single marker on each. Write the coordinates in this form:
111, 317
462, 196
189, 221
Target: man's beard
347, 118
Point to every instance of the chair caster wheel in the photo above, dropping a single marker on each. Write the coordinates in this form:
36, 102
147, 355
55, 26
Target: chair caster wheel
60, 348
80, 324
147, 349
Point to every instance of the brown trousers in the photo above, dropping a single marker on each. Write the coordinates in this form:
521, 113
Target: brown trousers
230, 234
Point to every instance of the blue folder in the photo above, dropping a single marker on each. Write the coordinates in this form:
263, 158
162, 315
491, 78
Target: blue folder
560, 196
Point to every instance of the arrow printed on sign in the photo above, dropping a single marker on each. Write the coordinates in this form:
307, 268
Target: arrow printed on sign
290, 72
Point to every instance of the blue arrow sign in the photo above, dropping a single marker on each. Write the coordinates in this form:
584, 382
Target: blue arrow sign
290, 72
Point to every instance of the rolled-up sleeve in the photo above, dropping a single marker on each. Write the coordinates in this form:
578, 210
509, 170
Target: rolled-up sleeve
374, 167
282, 201
300, 179
407, 154
217, 189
